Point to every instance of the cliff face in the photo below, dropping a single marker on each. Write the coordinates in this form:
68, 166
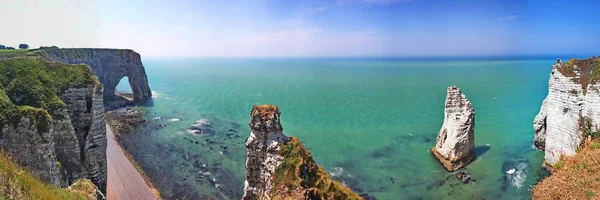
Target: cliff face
573, 100
280, 167
52, 120
110, 66
455, 143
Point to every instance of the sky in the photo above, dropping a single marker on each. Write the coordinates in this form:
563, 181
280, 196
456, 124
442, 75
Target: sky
286, 28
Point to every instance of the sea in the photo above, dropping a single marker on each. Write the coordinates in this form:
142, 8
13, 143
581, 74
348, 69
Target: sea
369, 122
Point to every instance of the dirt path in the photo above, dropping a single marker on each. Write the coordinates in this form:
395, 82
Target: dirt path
124, 181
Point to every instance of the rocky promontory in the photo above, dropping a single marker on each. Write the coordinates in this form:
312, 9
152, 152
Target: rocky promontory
570, 112
110, 66
280, 167
455, 143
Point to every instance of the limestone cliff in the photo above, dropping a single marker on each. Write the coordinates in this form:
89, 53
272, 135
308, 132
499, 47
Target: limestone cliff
573, 100
110, 66
52, 120
455, 144
280, 167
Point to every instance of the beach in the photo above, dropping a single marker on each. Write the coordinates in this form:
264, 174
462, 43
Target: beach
124, 181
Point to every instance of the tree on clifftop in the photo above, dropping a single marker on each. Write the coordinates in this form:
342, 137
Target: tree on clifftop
10, 48
23, 46
2, 47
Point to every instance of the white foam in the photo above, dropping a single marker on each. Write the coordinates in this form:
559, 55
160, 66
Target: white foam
511, 171
517, 178
336, 171
174, 120
202, 122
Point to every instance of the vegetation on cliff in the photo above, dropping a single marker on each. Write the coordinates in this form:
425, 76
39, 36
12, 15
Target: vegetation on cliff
16, 183
576, 177
299, 176
30, 87
589, 71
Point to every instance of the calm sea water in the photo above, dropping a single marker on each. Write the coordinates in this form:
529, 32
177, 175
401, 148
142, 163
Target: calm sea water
369, 122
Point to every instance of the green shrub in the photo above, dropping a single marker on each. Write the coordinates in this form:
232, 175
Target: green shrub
30, 87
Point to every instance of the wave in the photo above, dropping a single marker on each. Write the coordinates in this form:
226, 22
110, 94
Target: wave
516, 176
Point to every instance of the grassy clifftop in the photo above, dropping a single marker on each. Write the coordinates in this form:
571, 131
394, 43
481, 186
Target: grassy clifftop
299, 174
16, 183
589, 71
30, 87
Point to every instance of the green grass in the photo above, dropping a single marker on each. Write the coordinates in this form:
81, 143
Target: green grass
12, 53
589, 71
299, 172
16, 183
30, 87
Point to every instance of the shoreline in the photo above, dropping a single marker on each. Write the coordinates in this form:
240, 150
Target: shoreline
124, 174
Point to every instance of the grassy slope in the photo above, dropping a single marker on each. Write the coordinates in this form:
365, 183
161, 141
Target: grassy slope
16, 183
576, 177
30, 86
298, 163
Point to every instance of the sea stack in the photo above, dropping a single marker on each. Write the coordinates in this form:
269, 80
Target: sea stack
455, 143
280, 167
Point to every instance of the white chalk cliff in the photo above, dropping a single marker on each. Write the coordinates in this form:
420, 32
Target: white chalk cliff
455, 144
558, 126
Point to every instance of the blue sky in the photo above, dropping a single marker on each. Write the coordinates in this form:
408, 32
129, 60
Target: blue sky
337, 28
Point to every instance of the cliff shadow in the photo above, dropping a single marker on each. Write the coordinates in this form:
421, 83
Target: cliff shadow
480, 150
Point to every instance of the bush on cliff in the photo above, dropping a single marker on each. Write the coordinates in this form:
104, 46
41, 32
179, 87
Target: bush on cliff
16, 183
300, 177
30, 87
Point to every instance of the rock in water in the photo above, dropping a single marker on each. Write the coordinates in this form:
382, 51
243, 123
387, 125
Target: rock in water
455, 144
280, 167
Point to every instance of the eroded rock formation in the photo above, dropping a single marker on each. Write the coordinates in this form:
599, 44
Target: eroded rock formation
59, 137
280, 167
110, 66
573, 102
455, 143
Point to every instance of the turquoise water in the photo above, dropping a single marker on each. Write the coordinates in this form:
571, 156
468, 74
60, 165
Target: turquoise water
370, 122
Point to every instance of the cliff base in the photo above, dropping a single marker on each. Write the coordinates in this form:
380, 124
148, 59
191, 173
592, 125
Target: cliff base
453, 165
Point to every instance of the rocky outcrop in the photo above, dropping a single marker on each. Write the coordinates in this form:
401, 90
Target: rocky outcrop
573, 101
110, 66
60, 134
280, 167
455, 144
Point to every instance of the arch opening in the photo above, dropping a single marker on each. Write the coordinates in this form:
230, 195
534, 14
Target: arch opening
120, 96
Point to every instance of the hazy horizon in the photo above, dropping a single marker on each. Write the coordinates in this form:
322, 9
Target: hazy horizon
289, 29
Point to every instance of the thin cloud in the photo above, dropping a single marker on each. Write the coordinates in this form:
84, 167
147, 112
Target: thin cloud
508, 18
307, 12
385, 1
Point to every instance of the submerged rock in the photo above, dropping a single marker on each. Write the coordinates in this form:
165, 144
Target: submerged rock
280, 167
465, 177
455, 144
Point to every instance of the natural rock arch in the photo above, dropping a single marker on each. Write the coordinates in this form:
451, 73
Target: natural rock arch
110, 66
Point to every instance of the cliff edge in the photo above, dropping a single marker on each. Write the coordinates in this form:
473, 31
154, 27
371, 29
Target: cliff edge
573, 101
52, 120
280, 167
